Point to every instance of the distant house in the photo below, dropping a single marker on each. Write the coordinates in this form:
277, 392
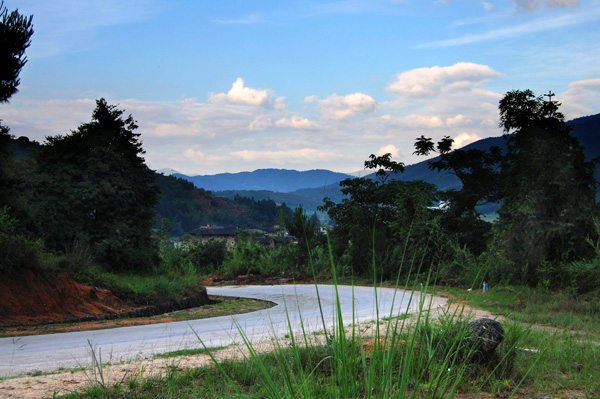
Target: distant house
273, 241
209, 232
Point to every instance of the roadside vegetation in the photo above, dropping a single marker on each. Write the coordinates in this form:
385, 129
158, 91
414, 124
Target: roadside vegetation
86, 203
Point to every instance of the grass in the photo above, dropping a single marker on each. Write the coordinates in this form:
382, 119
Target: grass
416, 357
537, 306
187, 352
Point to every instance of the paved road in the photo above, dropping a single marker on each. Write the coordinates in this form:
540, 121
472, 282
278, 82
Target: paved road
69, 350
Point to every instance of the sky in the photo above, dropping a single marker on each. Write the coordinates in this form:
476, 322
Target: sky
224, 86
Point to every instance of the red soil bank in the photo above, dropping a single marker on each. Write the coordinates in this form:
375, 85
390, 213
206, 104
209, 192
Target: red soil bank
31, 298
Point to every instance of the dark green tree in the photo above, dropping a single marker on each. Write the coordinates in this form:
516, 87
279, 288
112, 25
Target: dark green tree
15, 36
96, 189
481, 175
304, 229
549, 205
373, 222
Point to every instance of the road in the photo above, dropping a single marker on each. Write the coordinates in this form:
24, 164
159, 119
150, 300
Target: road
295, 305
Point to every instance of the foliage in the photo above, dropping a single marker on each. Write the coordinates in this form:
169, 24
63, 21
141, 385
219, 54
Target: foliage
263, 213
480, 174
209, 256
187, 207
95, 187
548, 209
379, 216
245, 258
15, 36
305, 230
17, 252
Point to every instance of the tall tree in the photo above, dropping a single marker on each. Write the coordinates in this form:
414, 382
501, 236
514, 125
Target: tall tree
15, 36
549, 204
480, 172
97, 190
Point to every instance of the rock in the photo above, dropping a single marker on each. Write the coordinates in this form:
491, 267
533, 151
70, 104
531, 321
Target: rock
483, 337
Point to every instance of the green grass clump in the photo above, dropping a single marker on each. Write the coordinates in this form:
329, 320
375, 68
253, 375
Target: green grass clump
558, 309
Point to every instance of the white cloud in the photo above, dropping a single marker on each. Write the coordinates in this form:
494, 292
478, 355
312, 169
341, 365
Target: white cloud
530, 5
245, 95
430, 122
526, 28
430, 82
488, 6
465, 138
343, 107
193, 154
581, 98
296, 122
389, 149
457, 120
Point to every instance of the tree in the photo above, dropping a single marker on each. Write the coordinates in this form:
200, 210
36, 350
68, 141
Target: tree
304, 229
96, 189
549, 204
481, 176
15, 36
378, 215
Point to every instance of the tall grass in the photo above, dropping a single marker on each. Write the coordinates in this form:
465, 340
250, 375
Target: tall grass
423, 356
429, 354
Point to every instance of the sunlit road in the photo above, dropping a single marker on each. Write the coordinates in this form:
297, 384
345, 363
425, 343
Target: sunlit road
295, 303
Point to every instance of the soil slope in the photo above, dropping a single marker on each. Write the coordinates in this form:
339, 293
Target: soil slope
30, 299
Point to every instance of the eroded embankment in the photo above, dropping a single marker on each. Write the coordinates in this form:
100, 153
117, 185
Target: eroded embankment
43, 298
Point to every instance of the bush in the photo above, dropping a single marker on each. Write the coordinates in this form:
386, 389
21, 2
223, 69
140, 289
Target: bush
245, 259
17, 252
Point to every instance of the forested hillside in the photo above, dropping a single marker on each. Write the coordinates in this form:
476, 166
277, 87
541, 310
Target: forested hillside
187, 207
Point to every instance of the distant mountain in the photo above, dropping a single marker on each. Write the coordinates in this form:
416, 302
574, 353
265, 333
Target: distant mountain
280, 180
282, 186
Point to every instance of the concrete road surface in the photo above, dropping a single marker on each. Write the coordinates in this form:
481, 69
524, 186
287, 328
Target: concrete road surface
47, 353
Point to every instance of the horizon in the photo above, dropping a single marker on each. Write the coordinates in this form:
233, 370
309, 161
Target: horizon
300, 85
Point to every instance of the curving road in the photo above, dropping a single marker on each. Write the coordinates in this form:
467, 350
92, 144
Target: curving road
47, 353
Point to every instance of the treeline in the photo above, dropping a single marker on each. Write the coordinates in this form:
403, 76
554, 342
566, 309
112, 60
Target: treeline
546, 232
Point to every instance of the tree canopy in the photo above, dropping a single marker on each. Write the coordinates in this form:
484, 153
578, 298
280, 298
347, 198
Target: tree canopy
15, 36
549, 203
96, 189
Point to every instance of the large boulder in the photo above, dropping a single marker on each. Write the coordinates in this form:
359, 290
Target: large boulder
483, 337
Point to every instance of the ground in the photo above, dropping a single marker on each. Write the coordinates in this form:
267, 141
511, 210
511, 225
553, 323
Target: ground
39, 386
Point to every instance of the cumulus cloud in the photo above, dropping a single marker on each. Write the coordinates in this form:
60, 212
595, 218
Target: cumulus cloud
465, 138
429, 82
580, 98
343, 107
530, 5
457, 120
389, 149
246, 95
296, 122
193, 154
426, 121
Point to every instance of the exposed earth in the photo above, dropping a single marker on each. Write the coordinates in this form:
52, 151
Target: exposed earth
40, 304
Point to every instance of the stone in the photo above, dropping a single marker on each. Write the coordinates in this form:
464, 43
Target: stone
483, 337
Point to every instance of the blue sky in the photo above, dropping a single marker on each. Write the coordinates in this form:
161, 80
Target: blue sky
228, 86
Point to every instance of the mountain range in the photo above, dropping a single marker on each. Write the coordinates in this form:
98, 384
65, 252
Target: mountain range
308, 188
